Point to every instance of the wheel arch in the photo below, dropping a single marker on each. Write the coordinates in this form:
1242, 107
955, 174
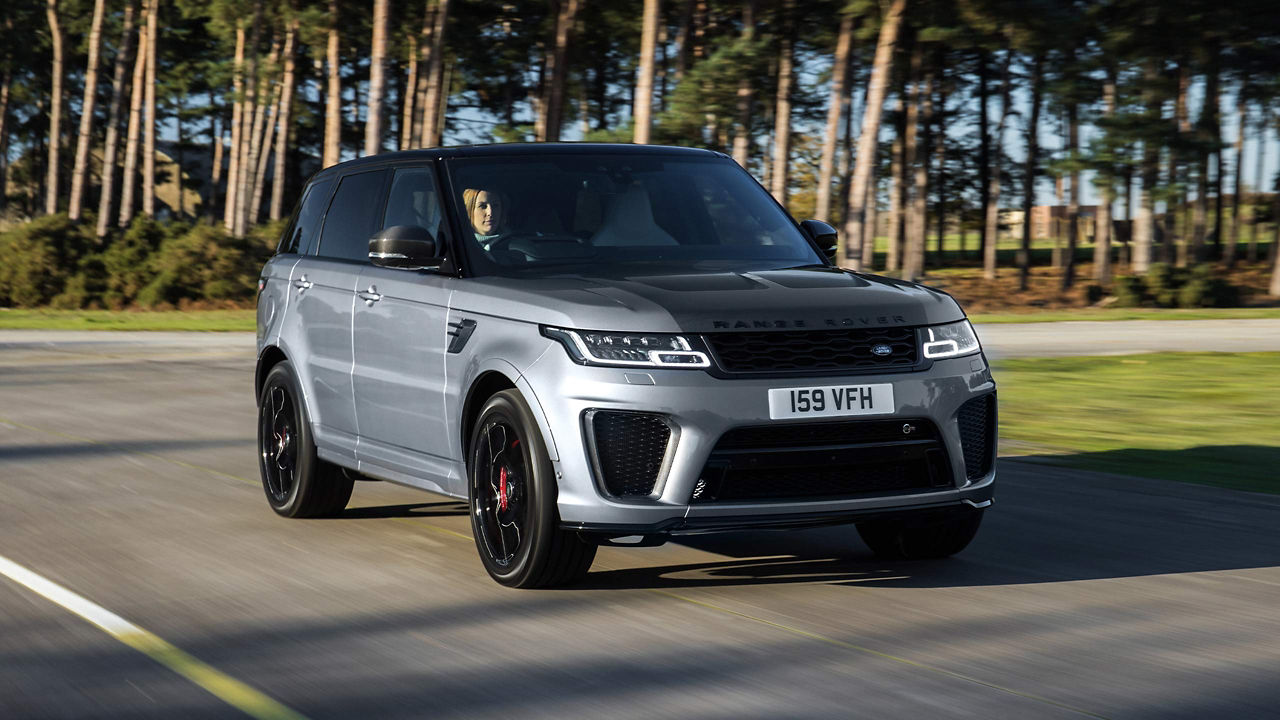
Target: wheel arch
270, 356
486, 384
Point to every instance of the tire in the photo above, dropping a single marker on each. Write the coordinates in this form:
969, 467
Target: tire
297, 483
921, 538
512, 495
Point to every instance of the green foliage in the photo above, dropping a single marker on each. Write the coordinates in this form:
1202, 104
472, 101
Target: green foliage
1167, 287
125, 261
37, 259
203, 264
1130, 291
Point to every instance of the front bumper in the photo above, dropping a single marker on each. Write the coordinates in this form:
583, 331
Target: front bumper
702, 408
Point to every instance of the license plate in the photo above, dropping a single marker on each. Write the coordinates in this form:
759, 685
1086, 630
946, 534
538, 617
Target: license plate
831, 401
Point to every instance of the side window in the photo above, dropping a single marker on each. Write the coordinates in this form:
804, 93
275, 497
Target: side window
353, 216
301, 236
414, 200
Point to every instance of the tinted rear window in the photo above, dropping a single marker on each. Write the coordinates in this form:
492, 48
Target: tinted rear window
301, 235
354, 215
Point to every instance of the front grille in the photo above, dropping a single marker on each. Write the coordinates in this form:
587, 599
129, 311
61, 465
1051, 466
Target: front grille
977, 419
629, 450
814, 350
824, 461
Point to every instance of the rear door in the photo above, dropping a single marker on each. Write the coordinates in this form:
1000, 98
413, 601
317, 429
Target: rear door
325, 285
400, 341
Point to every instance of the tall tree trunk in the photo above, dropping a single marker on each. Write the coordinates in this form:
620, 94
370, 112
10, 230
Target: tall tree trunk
1144, 229
80, 173
782, 107
216, 131
853, 226
256, 146
684, 40
898, 190
285, 119
55, 110
1233, 240
643, 108
1209, 133
869, 229
410, 95
250, 125
1255, 216
333, 109
1033, 159
984, 145
120, 67
129, 180
373, 126
6, 81
557, 71
835, 103
1178, 207
425, 47
991, 216
149, 127
1274, 290
1102, 228
939, 179
918, 127
742, 128
1073, 202
263, 157
436, 95
237, 116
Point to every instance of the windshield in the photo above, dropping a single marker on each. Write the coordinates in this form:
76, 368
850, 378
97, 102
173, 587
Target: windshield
620, 214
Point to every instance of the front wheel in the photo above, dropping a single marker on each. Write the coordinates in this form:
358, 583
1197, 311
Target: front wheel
513, 501
921, 538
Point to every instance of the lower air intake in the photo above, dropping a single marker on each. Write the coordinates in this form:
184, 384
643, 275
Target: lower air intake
977, 420
629, 450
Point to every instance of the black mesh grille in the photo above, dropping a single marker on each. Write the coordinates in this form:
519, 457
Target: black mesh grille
816, 350
823, 461
977, 419
825, 433
629, 447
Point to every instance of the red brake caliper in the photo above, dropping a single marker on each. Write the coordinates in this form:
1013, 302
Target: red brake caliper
502, 489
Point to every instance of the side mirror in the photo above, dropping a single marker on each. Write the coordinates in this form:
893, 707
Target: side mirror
407, 247
824, 235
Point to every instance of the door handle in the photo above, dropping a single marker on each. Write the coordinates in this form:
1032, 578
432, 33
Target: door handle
370, 296
302, 283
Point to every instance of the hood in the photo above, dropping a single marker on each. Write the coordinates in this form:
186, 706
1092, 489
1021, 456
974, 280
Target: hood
798, 299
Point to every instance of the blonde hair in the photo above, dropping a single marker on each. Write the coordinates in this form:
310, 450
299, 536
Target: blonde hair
471, 195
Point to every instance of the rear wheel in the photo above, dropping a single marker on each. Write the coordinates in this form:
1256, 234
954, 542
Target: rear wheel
921, 537
513, 501
297, 483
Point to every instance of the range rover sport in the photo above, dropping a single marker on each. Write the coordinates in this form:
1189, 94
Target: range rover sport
603, 344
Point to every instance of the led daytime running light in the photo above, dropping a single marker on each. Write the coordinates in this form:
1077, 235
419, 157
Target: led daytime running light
684, 358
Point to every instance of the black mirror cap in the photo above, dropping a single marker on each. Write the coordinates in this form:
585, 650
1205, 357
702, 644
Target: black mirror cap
408, 247
824, 235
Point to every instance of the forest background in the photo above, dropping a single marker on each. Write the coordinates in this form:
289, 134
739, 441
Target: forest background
150, 149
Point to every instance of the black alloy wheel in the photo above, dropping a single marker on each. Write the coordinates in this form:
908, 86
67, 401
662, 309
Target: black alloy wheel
296, 482
501, 510
513, 501
278, 442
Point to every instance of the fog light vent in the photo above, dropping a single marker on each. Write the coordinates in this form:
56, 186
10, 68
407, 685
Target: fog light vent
630, 448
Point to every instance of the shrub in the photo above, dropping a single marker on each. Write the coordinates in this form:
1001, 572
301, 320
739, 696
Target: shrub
37, 259
1093, 294
203, 263
1163, 283
1130, 291
126, 260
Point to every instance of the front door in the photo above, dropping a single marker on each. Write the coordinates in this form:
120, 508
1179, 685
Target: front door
400, 339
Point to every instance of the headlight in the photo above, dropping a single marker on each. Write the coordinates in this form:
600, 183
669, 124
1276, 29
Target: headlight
628, 349
950, 340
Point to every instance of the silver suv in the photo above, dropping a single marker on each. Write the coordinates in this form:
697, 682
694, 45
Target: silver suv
609, 344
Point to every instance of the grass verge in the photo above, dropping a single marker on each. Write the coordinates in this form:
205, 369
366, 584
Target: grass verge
1206, 418
200, 320
1246, 313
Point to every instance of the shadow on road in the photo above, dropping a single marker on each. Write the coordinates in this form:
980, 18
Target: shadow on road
431, 509
1048, 525
1238, 467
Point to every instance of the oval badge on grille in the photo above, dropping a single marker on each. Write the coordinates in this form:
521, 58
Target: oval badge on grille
881, 350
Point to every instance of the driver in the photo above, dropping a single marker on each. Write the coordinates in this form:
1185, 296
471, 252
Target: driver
486, 209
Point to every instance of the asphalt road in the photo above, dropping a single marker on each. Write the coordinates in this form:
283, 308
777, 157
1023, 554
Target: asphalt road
127, 476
